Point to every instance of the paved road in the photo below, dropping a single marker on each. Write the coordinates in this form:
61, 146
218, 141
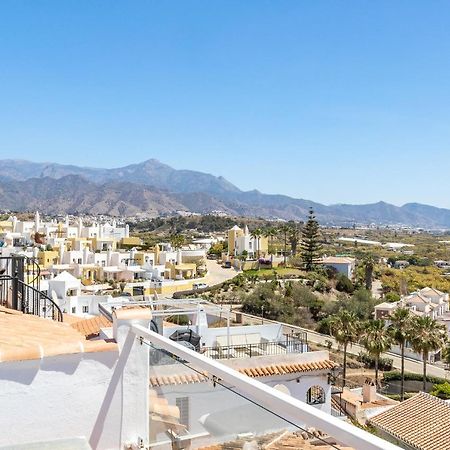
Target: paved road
217, 274
317, 338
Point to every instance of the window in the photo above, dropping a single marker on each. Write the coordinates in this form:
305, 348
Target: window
183, 405
74, 310
85, 309
315, 395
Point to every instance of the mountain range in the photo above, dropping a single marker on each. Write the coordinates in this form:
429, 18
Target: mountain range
154, 188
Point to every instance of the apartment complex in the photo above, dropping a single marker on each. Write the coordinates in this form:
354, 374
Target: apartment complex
101, 255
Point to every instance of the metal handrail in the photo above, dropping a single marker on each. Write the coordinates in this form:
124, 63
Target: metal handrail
33, 301
36, 266
266, 348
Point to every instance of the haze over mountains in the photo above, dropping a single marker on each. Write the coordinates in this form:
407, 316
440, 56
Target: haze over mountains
155, 188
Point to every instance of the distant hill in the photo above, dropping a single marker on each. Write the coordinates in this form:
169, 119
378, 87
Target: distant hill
156, 188
149, 173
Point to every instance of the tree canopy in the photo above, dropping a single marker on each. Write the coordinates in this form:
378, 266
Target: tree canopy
310, 245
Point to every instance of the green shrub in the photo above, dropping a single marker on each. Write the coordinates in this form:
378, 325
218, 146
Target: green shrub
397, 397
396, 375
344, 284
369, 361
392, 297
179, 320
441, 390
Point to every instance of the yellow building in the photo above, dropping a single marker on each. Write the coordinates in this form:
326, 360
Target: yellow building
181, 271
233, 236
90, 273
240, 241
143, 258
79, 243
6, 226
46, 258
103, 244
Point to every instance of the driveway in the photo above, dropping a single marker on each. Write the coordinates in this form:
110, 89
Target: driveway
217, 274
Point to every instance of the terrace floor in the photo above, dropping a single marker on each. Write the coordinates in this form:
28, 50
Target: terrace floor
285, 440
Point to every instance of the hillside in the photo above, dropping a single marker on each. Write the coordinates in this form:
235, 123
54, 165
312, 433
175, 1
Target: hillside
155, 188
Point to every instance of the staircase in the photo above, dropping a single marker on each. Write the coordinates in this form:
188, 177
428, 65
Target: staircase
20, 288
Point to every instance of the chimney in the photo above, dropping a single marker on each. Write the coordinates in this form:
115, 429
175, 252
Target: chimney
369, 391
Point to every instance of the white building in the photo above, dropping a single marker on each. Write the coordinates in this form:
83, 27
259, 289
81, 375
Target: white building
427, 302
342, 264
57, 388
65, 291
73, 388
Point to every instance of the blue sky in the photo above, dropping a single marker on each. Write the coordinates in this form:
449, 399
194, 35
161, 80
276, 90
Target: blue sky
334, 101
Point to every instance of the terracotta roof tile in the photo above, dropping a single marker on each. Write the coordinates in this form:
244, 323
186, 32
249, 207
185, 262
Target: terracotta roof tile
283, 369
252, 372
24, 337
433, 415
90, 327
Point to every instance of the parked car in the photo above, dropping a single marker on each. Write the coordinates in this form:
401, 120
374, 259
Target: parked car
199, 286
226, 265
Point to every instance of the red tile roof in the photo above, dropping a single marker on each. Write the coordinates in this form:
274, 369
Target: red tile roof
422, 422
24, 337
90, 327
253, 372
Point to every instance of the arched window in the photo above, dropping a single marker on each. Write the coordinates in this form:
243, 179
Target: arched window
315, 395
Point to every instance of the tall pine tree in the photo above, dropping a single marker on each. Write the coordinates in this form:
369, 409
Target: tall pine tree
310, 245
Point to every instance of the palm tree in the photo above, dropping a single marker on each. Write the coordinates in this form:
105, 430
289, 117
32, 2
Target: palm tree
285, 229
256, 235
446, 356
270, 233
427, 336
376, 340
344, 327
400, 330
369, 263
294, 237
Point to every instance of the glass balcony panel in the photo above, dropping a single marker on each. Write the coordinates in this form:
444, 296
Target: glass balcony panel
189, 409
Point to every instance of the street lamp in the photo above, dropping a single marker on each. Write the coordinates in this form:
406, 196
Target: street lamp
262, 314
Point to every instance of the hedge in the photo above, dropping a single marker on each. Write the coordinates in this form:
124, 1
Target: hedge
369, 361
396, 375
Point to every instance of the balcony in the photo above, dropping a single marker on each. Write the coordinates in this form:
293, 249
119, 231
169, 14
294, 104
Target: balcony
261, 348
196, 402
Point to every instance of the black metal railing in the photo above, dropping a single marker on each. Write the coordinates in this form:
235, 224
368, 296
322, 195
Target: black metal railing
27, 269
20, 296
258, 349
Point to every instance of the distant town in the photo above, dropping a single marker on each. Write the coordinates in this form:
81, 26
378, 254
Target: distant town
354, 321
